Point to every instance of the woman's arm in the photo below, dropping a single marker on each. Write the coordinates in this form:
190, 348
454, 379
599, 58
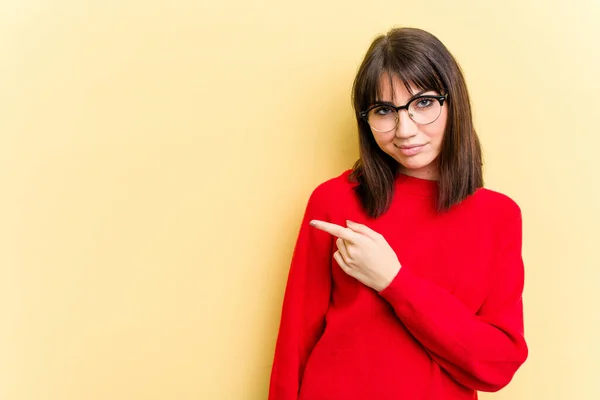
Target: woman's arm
305, 303
481, 351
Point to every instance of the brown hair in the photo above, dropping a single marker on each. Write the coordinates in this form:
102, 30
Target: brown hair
415, 57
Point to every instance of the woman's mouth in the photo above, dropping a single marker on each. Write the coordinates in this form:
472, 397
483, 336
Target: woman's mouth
410, 150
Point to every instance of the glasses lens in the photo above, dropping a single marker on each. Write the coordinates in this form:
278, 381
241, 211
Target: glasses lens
425, 110
383, 119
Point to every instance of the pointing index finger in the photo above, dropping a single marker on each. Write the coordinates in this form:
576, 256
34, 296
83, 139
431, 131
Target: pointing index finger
335, 230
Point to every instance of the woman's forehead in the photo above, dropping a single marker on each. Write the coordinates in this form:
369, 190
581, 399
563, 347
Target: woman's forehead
395, 87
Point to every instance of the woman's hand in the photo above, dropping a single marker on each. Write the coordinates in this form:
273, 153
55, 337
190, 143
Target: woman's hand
363, 253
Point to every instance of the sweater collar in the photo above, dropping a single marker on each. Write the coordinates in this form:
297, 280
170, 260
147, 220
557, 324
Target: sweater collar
418, 186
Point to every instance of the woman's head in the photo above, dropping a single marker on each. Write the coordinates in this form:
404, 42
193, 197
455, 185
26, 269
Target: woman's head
432, 138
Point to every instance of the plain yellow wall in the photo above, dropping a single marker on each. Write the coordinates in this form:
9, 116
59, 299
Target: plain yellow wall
156, 158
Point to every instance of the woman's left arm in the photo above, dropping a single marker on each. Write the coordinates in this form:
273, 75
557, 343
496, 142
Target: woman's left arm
481, 351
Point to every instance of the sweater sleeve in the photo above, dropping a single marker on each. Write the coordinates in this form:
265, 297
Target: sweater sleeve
481, 351
305, 303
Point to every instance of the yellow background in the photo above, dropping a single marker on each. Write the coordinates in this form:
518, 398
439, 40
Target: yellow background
156, 158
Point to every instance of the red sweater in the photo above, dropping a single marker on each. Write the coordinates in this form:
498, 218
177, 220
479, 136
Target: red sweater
449, 324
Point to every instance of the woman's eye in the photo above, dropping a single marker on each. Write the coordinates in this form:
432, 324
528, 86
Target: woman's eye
424, 102
383, 111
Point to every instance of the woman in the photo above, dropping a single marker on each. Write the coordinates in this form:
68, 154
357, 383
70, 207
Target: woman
407, 277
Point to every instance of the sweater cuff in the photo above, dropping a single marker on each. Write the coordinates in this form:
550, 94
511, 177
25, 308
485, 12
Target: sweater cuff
400, 288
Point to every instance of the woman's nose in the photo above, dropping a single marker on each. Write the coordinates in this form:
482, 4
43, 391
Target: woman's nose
406, 126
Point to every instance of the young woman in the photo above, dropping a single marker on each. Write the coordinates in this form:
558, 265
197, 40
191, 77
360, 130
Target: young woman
407, 277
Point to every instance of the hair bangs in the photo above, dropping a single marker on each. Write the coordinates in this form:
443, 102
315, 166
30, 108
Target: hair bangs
413, 70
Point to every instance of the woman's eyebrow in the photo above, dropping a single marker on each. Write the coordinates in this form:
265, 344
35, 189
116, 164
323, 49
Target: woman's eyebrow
420, 93
414, 96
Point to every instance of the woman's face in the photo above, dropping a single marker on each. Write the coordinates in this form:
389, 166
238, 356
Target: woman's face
414, 146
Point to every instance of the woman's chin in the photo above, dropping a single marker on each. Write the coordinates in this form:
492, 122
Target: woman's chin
418, 167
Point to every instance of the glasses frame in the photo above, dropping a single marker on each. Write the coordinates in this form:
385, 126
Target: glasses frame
365, 114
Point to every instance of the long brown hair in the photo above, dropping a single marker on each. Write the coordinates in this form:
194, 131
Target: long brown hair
416, 57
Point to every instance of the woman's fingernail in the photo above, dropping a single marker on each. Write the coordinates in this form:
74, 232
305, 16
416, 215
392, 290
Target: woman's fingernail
313, 223
348, 222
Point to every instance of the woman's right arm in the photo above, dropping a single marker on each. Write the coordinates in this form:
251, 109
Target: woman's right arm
305, 302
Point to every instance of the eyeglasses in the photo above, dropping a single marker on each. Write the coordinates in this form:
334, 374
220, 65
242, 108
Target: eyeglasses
424, 110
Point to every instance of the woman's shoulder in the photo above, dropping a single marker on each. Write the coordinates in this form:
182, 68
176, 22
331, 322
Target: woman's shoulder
336, 189
497, 203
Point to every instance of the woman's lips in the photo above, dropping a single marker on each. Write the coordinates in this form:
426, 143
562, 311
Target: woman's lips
410, 150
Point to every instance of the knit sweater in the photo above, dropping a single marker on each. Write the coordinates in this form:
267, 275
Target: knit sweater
449, 324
